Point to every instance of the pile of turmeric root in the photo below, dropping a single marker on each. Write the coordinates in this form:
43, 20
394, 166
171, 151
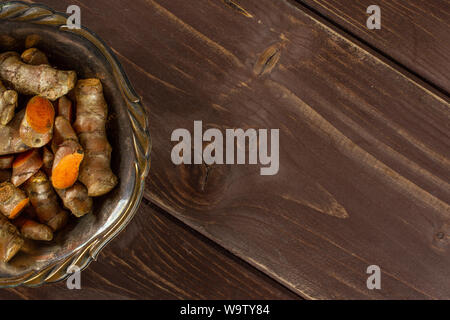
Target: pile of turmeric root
54, 152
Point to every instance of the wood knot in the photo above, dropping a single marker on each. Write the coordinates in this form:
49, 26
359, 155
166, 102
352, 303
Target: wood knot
268, 60
201, 186
441, 237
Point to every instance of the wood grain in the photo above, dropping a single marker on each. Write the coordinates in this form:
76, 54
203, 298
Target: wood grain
158, 258
364, 148
415, 32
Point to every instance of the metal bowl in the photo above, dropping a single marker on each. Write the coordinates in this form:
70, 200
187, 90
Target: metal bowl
81, 50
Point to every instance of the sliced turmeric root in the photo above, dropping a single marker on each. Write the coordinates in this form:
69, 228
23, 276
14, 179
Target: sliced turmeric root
65, 171
18, 208
36, 129
26, 165
68, 155
12, 200
45, 202
10, 240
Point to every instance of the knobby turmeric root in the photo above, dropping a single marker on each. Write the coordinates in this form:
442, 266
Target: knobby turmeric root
91, 115
47, 159
25, 166
10, 240
36, 129
65, 109
33, 230
34, 57
8, 104
44, 200
6, 161
76, 199
63, 132
12, 200
68, 155
42, 80
10, 141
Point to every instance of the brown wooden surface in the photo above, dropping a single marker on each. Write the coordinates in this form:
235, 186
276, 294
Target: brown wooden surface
414, 32
364, 167
364, 170
159, 258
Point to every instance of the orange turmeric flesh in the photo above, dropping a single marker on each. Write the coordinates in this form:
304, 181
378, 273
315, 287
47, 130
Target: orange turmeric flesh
15, 212
25, 165
22, 158
12, 200
65, 173
40, 114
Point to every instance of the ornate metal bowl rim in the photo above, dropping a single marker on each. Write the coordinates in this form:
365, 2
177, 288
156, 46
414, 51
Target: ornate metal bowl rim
82, 256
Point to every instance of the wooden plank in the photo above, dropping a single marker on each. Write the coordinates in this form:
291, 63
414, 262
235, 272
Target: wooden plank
156, 257
363, 149
414, 32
